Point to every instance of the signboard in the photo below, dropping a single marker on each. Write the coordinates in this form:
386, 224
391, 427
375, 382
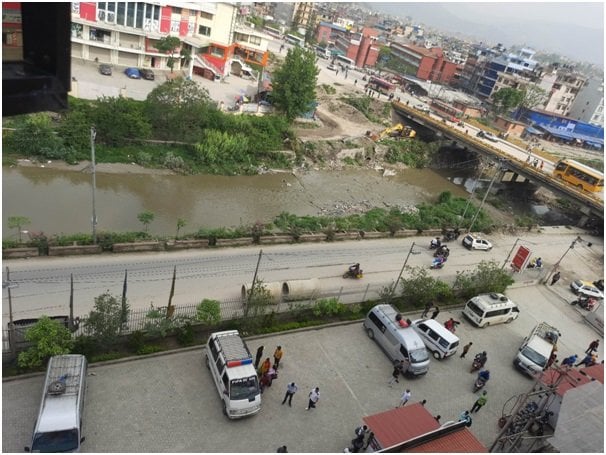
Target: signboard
520, 259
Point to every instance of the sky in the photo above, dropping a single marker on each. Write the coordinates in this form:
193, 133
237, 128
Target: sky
573, 29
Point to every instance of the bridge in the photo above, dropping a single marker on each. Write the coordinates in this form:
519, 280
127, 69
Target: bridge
590, 204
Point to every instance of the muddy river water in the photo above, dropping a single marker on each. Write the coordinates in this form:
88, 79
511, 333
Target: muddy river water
59, 201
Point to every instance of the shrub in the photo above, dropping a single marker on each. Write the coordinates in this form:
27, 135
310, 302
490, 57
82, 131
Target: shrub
105, 320
85, 345
185, 335
148, 349
328, 307
420, 289
487, 277
208, 311
136, 340
50, 338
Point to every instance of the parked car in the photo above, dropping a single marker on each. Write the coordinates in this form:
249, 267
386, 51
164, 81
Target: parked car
331, 67
586, 288
422, 108
146, 74
132, 73
473, 242
487, 135
105, 69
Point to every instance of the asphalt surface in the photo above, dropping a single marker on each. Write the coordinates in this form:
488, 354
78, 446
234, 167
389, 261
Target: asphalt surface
168, 403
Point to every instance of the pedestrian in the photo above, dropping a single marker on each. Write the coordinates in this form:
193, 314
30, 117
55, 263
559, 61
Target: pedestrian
466, 131
593, 346
291, 389
541, 166
397, 370
336, 72
552, 358
282, 449
481, 401
569, 360
589, 360
371, 435
465, 350
258, 357
428, 306
423, 403
404, 398
278, 356
265, 366
355, 82
314, 397
438, 417
435, 313
361, 431
465, 416
555, 278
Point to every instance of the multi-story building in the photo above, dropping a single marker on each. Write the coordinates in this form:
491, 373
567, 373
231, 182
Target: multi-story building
589, 103
303, 15
513, 69
563, 90
358, 46
125, 33
427, 64
328, 33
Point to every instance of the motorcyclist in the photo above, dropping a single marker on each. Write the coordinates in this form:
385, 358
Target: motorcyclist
484, 375
438, 261
435, 243
481, 358
354, 269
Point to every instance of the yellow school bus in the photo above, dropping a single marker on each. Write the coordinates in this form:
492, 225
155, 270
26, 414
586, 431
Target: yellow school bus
579, 175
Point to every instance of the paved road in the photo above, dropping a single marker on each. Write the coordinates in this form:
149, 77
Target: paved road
168, 403
43, 284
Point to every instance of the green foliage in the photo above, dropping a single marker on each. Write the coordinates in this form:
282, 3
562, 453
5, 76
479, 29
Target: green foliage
180, 225
506, 99
208, 311
420, 289
168, 45
294, 83
329, 89
85, 345
487, 277
411, 152
328, 307
149, 349
50, 338
136, 340
105, 320
119, 120
36, 138
17, 222
107, 356
185, 335
146, 218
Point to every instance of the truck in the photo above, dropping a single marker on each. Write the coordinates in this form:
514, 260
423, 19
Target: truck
536, 349
58, 427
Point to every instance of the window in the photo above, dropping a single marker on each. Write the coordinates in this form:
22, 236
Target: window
375, 319
204, 15
140, 9
203, 30
403, 351
176, 10
130, 15
433, 335
121, 13
255, 40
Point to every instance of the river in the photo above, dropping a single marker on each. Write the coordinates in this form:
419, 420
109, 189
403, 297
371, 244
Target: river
59, 201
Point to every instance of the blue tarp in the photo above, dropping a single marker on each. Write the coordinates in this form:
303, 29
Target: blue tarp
532, 130
570, 135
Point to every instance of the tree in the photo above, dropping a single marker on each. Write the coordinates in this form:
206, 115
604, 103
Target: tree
16, 222
533, 96
50, 338
180, 224
294, 83
146, 218
208, 311
506, 99
118, 119
420, 289
105, 320
36, 138
487, 277
169, 45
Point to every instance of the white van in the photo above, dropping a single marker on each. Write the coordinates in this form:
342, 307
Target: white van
231, 366
398, 343
58, 427
490, 309
536, 349
438, 339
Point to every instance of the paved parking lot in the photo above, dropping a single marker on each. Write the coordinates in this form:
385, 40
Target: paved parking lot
168, 403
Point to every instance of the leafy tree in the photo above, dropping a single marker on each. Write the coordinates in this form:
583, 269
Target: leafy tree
533, 96
50, 338
487, 277
105, 320
506, 99
117, 120
36, 138
16, 222
146, 218
180, 225
208, 311
169, 45
420, 289
258, 299
294, 83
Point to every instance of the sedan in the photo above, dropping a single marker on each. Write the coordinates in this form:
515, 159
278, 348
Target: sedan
133, 73
487, 135
473, 242
105, 69
422, 108
586, 288
146, 74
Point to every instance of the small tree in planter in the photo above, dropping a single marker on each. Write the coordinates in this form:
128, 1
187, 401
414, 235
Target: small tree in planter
17, 222
208, 311
105, 320
50, 338
146, 218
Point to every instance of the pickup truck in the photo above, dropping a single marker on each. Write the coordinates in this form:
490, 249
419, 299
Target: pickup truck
536, 349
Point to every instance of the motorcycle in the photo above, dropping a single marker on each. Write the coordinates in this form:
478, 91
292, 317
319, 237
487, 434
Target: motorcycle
353, 274
477, 364
434, 244
450, 235
478, 384
442, 251
587, 303
438, 263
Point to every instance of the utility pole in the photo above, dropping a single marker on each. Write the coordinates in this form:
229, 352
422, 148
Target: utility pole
473, 190
254, 282
395, 285
494, 177
555, 266
509, 254
11, 327
93, 134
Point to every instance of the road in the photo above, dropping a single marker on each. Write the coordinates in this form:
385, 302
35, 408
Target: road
168, 403
42, 285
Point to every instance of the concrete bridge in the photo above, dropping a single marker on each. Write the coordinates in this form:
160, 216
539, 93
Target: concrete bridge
590, 205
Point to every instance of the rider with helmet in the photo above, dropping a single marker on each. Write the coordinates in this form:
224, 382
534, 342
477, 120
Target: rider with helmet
481, 358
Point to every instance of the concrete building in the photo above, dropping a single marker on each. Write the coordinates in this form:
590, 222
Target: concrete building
303, 15
564, 86
512, 68
589, 103
426, 64
328, 33
125, 33
359, 46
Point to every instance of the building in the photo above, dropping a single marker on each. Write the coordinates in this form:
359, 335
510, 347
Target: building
303, 16
426, 64
125, 33
328, 33
563, 86
589, 103
359, 46
506, 70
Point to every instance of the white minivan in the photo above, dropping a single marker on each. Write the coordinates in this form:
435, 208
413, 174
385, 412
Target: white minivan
440, 341
399, 343
490, 309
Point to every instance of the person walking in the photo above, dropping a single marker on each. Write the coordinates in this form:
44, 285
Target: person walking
404, 398
589, 360
481, 401
258, 357
593, 346
466, 349
282, 449
569, 360
291, 389
314, 397
265, 366
465, 416
555, 278
428, 306
397, 370
435, 313
278, 356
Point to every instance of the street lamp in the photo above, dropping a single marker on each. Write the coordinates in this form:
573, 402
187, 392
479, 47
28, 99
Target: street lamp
93, 134
555, 266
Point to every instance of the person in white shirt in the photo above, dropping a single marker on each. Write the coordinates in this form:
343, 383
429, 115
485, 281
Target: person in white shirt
291, 389
314, 397
404, 398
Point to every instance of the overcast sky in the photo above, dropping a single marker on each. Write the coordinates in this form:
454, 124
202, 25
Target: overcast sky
572, 29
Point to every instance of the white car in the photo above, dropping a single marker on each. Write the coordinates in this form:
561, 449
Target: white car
586, 288
487, 135
473, 242
422, 108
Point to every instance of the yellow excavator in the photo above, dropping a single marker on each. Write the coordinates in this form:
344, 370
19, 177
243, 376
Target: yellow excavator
396, 131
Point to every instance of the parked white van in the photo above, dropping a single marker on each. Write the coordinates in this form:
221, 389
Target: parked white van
440, 341
398, 343
536, 349
490, 309
231, 366
58, 427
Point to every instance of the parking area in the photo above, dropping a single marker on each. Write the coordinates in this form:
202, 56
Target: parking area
168, 403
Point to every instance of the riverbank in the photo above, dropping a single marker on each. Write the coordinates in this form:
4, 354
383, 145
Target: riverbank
102, 168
